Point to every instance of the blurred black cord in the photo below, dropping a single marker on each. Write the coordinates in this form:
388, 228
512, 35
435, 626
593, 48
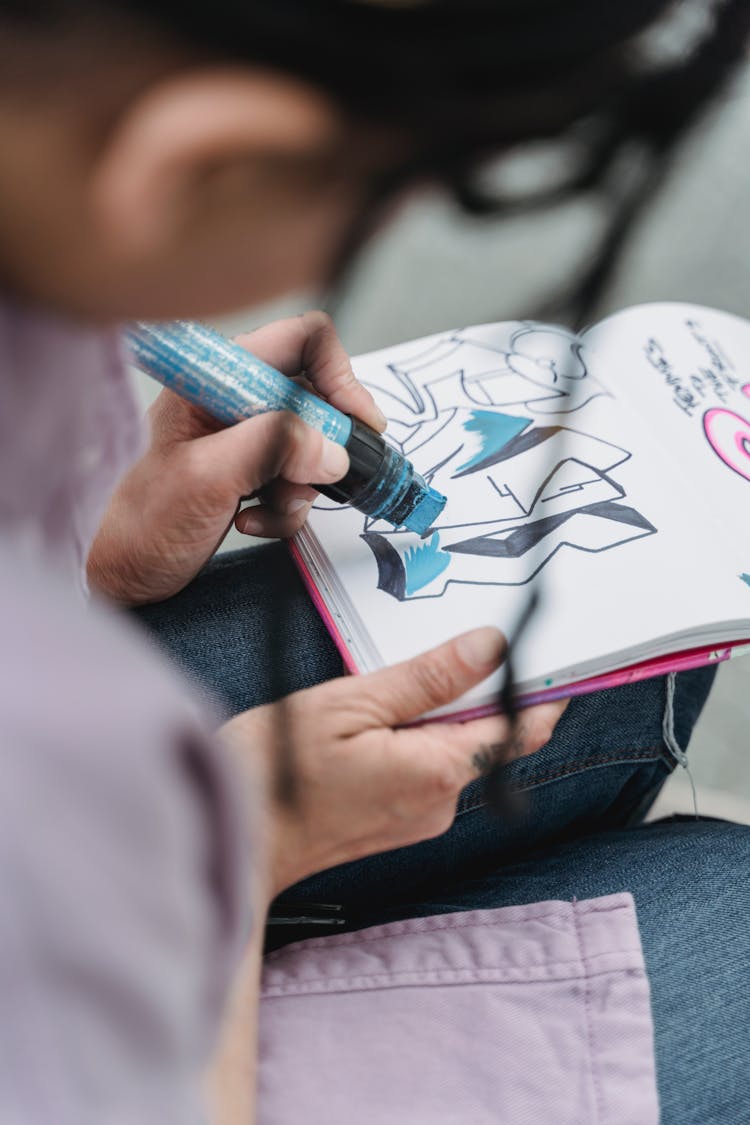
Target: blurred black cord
499, 795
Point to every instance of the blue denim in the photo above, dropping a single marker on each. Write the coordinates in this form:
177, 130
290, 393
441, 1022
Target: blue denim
690, 884
246, 629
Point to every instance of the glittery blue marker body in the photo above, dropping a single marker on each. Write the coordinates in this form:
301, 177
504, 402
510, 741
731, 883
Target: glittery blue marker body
228, 382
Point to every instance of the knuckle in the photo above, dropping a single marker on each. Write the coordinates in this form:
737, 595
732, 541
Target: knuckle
286, 427
299, 448
538, 736
290, 525
316, 320
443, 781
270, 436
195, 467
365, 700
353, 702
328, 353
343, 378
433, 680
544, 733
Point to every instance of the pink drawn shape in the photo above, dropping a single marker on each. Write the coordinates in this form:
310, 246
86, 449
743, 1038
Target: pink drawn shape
729, 436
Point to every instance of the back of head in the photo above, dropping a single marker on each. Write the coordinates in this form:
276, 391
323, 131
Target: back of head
458, 80
461, 76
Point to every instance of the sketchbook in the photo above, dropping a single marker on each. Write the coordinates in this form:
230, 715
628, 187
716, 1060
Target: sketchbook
609, 470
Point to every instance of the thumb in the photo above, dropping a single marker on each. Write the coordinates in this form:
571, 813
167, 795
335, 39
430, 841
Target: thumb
406, 691
247, 456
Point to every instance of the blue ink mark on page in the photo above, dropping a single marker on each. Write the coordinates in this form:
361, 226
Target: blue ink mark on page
494, 430
745, 578
424, 563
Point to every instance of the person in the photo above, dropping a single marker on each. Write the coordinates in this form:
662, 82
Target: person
159, 164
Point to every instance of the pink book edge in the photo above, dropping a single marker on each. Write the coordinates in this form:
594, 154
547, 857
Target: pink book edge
655, 666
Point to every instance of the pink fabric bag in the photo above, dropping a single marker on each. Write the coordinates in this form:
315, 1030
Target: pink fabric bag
530, 1015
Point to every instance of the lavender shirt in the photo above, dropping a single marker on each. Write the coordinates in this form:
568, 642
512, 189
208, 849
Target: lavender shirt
121, 875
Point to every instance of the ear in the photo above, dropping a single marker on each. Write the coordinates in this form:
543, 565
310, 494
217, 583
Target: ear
145, 177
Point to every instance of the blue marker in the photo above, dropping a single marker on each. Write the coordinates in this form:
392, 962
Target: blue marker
231, 384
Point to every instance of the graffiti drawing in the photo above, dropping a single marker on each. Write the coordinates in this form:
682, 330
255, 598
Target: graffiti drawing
521, 484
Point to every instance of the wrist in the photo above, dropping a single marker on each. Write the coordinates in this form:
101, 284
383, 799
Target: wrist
109, 574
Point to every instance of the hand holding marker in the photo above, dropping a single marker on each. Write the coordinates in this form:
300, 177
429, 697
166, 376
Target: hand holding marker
229, 383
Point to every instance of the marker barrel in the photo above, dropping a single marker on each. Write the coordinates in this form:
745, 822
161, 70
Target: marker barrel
224, 379
231, 384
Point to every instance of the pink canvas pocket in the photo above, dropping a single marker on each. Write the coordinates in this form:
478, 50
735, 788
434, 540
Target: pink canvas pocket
528, 1014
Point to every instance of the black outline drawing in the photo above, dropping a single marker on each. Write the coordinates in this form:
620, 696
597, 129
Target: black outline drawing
454, 386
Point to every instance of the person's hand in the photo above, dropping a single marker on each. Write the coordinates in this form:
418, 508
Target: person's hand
173, 509
363, 783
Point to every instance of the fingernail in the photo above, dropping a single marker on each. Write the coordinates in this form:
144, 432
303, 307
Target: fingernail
295, 506
482, 648
382, 420
250, 526
335, 460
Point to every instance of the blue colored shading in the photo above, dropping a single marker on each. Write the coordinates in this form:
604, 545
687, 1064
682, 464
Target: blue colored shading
495, 430
423, 563
746, 579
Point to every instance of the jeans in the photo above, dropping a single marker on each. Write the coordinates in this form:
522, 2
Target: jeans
689, 881
246, 629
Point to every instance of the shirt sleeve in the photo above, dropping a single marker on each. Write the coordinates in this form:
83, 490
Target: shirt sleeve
123, 868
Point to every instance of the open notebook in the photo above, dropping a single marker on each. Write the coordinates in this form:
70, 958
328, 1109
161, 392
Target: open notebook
610, 469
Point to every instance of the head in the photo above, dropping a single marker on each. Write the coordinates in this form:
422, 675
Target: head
168, 158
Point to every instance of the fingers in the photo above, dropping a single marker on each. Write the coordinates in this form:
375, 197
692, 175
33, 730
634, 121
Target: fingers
467, 750
442, 758
244, 458
305, 344
310, 344
265, 523
283, 496
537, 725
486, 743
408, 690
283, 511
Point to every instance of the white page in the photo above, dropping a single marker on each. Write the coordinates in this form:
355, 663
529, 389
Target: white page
490, 414
685, 368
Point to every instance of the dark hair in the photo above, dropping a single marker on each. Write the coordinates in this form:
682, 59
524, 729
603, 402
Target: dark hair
468, 78
465, 79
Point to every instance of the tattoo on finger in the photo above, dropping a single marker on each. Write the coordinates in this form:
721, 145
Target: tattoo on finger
488, 756
494, 754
